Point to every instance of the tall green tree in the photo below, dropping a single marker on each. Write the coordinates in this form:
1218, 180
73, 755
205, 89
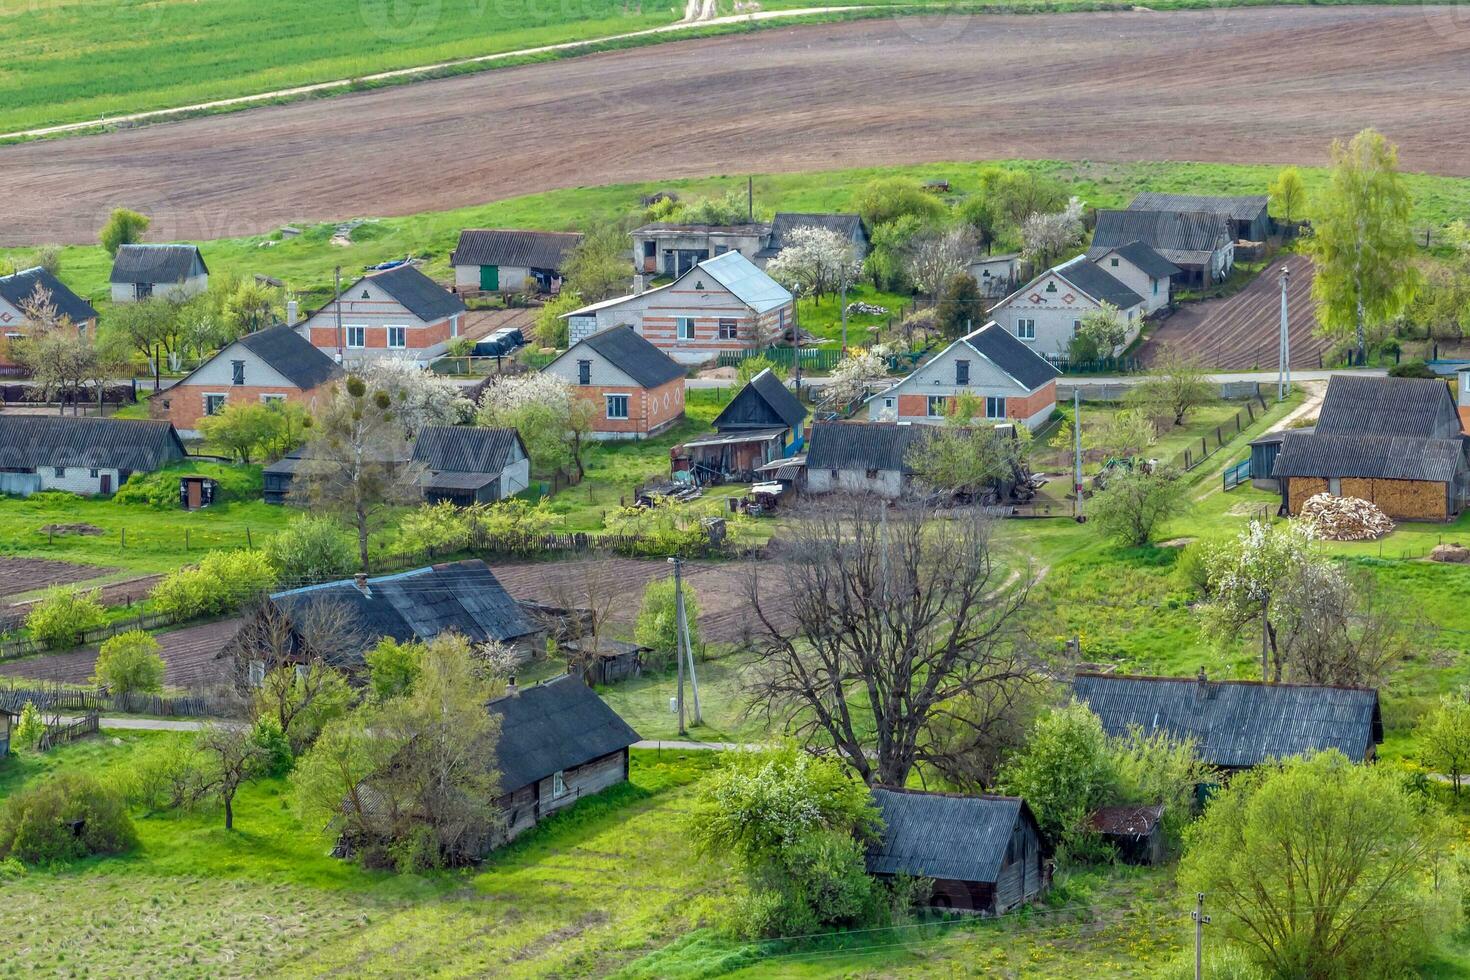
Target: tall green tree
599, 268
123, 227
1362, 243
1288, 195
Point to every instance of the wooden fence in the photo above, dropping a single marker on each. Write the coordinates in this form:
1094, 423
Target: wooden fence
1213, 442
60, 735
99, 701
24, 646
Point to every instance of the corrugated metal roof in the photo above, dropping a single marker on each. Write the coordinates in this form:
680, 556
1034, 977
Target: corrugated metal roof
846, 225
995, 343
640, 360
744, 280
18, 289
1421, 407
1096, 282
512, 247
1237, 724
33, 441
422, 296
154, 263
1237, 208
1181, 237
552, 727
1323, 454
291, 355
862, 445
931, 835
467, 449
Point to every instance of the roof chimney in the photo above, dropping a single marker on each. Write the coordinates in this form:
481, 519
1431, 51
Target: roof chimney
1202, 682
360, 580
640, 283
510, 687
292, 313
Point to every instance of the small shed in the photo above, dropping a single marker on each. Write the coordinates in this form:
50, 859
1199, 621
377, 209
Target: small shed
197, 492
278, 476
10, 707
615, 660
1136, 831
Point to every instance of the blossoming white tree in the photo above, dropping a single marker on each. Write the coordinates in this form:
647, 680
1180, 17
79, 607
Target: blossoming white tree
1045, 236
418, 397
545, 410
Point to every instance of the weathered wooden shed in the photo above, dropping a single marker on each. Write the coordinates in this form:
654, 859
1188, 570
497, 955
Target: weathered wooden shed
985, 854
1136, 831
615, 660
10, 707
197, 492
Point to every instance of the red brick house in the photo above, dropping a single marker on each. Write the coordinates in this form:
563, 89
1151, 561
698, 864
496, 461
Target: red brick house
398, 312
636, 389
270, 365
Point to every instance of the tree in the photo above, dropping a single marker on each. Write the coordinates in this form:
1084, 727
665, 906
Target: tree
1015, 195
357, 461
552, 419
123, 227
129, 663
1245, 577
1335, 628
252, 306
30, 727
551, 327
1288, 196
586, 599
1100, 334
48, 257
301, 699
831, 663
963, 457
1442, 305
888, 248
1322, 868
1065, 771
816, 262
1136, 501
658, 623
961, 307
1044, 237
418, 398
153, 327
242, 427
937, 255
1445, 735
276, 640
852, 376
393, 667
57, 354
1175, 387
1121, 435
310, 550
597, 267
1362, 242
234, 757
752, 366
891, 198
63, 614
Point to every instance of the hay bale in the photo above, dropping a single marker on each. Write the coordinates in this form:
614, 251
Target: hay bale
1452, 553
1345, 518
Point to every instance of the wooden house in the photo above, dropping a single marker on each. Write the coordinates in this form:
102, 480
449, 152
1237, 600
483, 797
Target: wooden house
397, 312
635, 389
1238, 724
1135, 832
19, 291
613, 661
80, 454
559, 743
510, 261
1201, 244
467, 465
985, 854
1393, 441
761, 424
277, 477
1248, 216
173, 272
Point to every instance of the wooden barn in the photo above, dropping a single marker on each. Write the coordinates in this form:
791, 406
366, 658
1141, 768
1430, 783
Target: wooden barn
1136, 831
1247, 215
613, 661
762, 423
985, 854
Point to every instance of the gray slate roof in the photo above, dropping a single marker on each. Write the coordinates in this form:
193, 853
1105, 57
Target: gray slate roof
862, 445
1420, 407
846, 225
17, 289
531, 249
292, 356
1238, 208
1097, 282
554, 726
640, 360
1237, 724
422, 296
932, 835
1015, 358
1150, 261
1181, 237
467, 449
773, 392
32, 441
155, 263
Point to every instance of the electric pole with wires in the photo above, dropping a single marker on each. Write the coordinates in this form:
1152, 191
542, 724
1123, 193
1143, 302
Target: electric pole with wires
1200, 921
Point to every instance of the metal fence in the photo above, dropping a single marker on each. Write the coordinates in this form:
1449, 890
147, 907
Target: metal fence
1213, 442
812, 358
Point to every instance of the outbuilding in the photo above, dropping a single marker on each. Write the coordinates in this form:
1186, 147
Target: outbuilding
174, 272
493, 260
80, 454
1200, 243
1248, 215
1136, 832
862, 457
467, 465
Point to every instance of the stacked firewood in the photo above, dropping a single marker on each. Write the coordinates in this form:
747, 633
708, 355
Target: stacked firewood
1345, 518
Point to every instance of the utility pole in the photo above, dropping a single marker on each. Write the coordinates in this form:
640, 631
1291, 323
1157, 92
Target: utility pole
1283, 382
1077, 448
750, 199
1200, 921
796, 339
843, 301
682, 645
337, 305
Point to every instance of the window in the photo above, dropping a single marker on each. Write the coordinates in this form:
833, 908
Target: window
256, 673
1113, 262
398, 337
357, 336
995, 408
558, 785
93, 474
213, 403
142, 290
1051, 287
617, 406
686, 327
888, 403
59, 470
237, 372
872, 472
584, 372
1154, 284
272, 399
729, 329
1076, 326
961, 372
1026, 329
937, 406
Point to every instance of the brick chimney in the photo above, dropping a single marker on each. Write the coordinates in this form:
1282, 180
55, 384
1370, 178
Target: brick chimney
640, 284
360, 580
1202, 683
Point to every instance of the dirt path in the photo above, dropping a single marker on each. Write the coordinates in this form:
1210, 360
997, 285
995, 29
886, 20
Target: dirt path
1238, 85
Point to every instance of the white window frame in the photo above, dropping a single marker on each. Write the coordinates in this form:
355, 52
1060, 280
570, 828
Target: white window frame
627, 406
223, 400
271, 398
402, 337
995, 406
255, 673
361, 334
1025, 328
942, 401
684, 327
558, 784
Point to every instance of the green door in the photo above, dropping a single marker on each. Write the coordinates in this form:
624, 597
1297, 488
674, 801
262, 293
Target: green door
490, 277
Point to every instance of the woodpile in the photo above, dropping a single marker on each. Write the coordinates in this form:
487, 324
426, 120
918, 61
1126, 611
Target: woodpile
1345, 518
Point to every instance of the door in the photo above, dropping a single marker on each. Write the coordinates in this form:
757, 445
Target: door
106, 485
194, 494
490, 277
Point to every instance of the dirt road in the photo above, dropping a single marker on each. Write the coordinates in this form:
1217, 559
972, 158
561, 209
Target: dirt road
1239, 85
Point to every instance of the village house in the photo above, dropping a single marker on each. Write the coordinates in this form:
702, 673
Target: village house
849, 226
466, 465
19, 290
1046, 313
1394, 441
635, 389
509, 261
1136, 832
270, 366
1238, 724
762, 423
1142, 270
862, 457
1011, 380
671, 249
985, 854
1200, 243
721, 304
1248, 216
174, 272
398, 312
559, 743
996, 275
80, 454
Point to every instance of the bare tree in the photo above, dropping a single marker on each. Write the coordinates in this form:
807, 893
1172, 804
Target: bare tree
585, 600
899, 622
1336, 628
234, 759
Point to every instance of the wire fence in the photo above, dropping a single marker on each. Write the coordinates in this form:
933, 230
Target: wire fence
1212, 442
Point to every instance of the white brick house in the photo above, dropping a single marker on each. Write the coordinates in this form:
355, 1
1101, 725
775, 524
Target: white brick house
1046, 313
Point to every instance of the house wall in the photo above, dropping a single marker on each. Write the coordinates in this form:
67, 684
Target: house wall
515, 478
183, 404
888, 484
367, 305
667, 243
649, 411
1464, 400
910, 397
1056, 317
1022, 876
1155, 291
996, 277
1399, 499
125, 292
520, 812
511, 277
654, 315
585, 780
78, 479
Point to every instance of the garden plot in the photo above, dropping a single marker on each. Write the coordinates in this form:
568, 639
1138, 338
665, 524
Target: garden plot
18, 575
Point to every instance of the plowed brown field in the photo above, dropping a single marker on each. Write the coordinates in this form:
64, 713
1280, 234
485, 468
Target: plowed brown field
1236, 86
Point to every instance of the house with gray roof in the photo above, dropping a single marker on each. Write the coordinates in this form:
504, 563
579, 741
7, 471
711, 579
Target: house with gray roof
495, 260
721, 304
1200, 243
635, 390
466, 464
1394, 441
271, 366
849, 226
761, 424
394, 313
1238, 724
1046, 313
1248, 214
985, 854
172, 271
80, 454
1011, 379
20, 290
670, 248
1142, 270
862, 457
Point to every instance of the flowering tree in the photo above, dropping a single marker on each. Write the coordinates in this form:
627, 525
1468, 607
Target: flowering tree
419, 398
545, 410
1248, 575
816, 262
936, 256
853, 375
1044, 237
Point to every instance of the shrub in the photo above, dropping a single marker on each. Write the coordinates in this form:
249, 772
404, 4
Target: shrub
30, 728
440, 528
658, 623
160, 490
752, 366
167, 775
1412, 369
1135, 503
310, 550
393, 667
63, 614
275, 750
1065, 771
129, 663
220, 583
69, 816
